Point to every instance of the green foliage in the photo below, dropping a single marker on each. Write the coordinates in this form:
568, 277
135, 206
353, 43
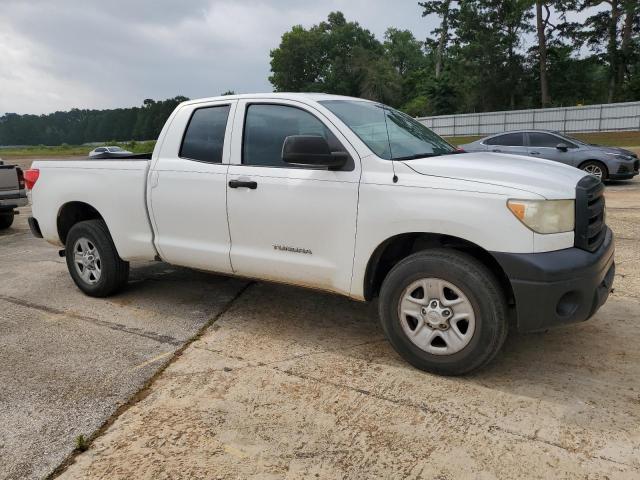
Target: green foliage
417, 106
328, 57
72, 150
80, 126
478, 51
82, 444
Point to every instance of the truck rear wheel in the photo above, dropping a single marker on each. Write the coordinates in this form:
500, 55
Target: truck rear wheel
6, 220
443, 311
92, 259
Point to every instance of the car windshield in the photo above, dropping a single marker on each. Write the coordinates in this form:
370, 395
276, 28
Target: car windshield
391, 134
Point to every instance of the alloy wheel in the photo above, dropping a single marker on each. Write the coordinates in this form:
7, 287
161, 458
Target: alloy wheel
594, 170
86, 260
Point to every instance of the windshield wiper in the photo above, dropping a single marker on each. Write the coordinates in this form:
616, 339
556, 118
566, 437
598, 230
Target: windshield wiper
417, 155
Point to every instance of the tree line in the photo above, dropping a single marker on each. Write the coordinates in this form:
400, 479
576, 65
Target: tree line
76, 127
484, 55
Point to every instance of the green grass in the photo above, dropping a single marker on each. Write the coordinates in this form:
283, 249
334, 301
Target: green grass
65, 150
612, 139
82, 444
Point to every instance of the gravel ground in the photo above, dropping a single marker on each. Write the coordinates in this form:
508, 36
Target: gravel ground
286, 382
290, 383
67, 361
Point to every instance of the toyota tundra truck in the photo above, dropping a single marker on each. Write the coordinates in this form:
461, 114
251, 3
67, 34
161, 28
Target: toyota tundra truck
348, 196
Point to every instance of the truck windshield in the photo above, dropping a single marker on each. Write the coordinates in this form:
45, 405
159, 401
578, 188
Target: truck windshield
391, 134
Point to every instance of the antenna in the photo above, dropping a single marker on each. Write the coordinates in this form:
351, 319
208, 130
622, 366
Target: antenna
393, 163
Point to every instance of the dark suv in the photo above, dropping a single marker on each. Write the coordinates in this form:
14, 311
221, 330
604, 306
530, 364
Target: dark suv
606, 163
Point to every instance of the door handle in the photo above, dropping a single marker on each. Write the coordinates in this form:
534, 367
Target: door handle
243, 184
496, 150
535, 153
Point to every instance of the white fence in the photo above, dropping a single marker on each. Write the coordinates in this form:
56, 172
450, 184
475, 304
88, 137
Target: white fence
593, 118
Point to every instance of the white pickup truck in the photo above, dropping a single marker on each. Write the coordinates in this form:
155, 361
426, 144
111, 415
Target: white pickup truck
349, 196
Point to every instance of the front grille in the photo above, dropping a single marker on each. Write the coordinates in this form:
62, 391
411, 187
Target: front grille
590, 221
623, 169
636, 165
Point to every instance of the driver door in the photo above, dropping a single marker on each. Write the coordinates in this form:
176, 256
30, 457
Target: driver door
289, 223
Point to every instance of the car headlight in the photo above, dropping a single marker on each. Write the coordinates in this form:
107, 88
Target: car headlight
545, 216
624, 156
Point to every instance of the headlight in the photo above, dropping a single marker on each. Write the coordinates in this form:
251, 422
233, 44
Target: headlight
625, 156
545, 216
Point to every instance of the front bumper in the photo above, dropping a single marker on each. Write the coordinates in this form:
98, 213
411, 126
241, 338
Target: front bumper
625, 171
561, 287
626, 176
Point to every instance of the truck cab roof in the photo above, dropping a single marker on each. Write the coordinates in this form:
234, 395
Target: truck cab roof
303, 96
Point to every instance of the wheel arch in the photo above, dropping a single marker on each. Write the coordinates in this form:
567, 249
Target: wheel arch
73, 212
394, 249
601, 162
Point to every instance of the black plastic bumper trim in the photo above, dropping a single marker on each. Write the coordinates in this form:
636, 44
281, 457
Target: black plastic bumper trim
560, 287
35, 228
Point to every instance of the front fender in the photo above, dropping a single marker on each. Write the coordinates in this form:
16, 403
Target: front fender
481, 218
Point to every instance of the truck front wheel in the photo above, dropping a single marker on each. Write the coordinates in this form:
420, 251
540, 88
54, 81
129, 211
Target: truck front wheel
443, 311
92, 259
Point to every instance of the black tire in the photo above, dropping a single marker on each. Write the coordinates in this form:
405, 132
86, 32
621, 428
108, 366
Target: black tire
483, 292
114, 271
595, 163
6, 220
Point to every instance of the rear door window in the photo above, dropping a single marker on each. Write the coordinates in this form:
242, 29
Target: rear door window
204, 138
507, 140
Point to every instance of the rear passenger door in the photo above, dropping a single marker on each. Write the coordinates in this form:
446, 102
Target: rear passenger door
513, 143
187, 188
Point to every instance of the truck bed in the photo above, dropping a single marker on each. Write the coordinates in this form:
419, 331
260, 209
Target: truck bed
111, 186
115, 156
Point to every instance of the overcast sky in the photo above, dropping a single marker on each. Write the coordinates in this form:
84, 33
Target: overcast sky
60, 54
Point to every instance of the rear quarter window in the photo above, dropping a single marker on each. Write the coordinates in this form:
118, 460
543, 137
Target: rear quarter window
507, 140
204, 137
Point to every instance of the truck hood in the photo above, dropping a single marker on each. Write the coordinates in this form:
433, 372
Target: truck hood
552, 180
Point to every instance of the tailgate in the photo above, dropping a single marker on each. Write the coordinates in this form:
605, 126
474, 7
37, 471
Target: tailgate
8, 179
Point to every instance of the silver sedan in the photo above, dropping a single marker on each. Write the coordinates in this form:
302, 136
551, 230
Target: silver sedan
606, 163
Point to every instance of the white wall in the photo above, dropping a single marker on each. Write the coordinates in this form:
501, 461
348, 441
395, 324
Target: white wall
592, 118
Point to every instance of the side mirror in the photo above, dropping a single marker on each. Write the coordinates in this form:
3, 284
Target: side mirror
311, 150
562, 147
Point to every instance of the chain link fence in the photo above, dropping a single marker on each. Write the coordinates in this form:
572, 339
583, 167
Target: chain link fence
593, 118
